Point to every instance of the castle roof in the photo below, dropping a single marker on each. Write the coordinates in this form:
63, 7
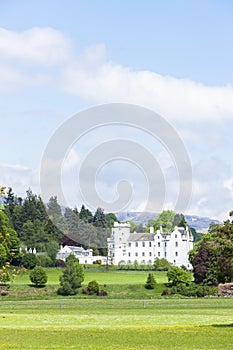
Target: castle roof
141, 237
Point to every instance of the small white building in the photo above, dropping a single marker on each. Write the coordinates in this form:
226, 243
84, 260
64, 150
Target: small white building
85, 256
146, 247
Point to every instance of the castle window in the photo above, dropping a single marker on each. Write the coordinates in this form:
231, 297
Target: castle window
129, 244
165, 244
143, 254
165, 254
149, 244
136, 254
143, 244
128, 254
158, 253
176, 244
136, 244
176, 253
175, 236
159, 244
150, 253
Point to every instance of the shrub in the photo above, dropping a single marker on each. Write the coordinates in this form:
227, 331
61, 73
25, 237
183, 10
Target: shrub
38, 276
166, 291
60, 263
193, 290
45, 261
72, 277
150, 283
85, 290
161, 264
102, 293
177, 276
94, 287
29, 260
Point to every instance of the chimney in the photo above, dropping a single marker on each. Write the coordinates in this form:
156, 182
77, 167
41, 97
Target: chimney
151, 229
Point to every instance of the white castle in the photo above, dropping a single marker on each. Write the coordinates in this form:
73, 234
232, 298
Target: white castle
146, 247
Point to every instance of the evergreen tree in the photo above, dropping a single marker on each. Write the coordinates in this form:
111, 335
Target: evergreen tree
54, 209
99, 219
9, 200
72, 277
85, 214
150, 283
179, 221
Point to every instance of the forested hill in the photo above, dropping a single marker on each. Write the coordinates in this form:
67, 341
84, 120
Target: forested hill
196, 222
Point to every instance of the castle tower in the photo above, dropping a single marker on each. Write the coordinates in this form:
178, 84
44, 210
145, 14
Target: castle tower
117, 243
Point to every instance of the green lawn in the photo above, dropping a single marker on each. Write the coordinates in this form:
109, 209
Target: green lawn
111, 277
104, 324
129, 318
118, 284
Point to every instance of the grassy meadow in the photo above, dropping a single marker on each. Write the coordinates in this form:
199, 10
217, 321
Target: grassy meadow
129, 318
117, 324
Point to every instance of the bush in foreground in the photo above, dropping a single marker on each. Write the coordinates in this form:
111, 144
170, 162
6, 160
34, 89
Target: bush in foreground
93, 287
72, 277
193, 290
150, 283
38, 276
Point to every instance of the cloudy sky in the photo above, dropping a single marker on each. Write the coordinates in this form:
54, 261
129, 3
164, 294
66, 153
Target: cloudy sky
172, 57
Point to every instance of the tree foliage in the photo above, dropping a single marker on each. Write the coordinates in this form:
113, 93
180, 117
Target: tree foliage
29, 261
212, 258
168, 220
38, 276
150, 282
177, 276
9, 242
72, 277
161, 264
99, 219
43, 228
93, 286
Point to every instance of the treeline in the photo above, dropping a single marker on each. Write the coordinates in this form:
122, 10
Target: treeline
43, 227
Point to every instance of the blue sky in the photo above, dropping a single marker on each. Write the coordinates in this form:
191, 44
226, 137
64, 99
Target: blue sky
174, 57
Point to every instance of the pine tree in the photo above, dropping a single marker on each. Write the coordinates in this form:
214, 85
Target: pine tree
99, 219
85, 214
72, 277
150, 283
54, 209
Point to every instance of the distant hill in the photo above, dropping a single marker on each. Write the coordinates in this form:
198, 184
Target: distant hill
199, 223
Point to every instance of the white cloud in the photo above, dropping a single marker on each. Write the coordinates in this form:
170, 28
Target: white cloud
94, 77
180, 99
20, 178
42, 46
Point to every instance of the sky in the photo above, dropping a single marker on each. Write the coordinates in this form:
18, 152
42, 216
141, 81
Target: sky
174, 58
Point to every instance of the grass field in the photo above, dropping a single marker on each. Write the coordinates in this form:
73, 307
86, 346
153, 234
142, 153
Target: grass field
105, 324
118, 284
129, 318
110, 277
